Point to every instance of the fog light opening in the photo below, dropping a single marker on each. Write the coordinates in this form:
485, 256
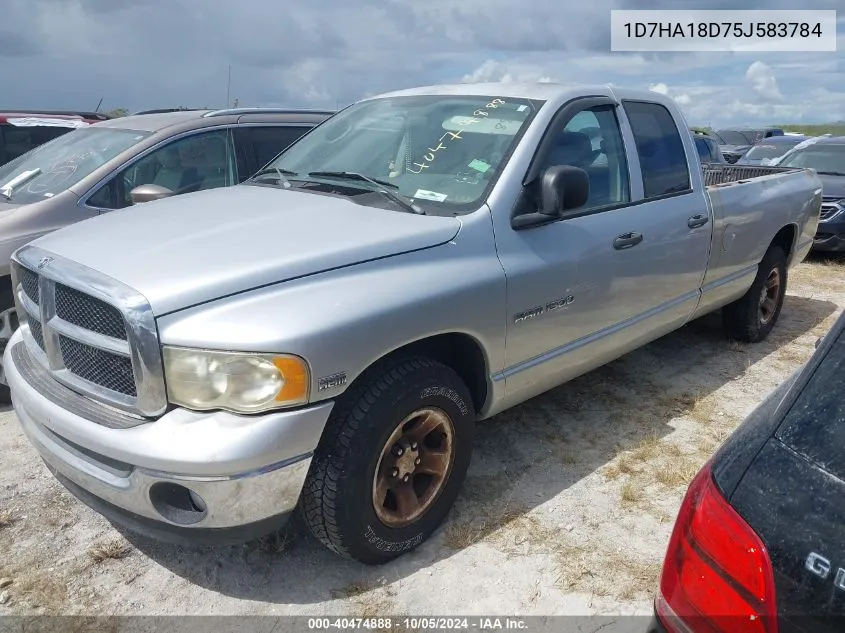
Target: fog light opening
177, 504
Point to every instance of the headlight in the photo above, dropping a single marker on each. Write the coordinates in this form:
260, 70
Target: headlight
236, 381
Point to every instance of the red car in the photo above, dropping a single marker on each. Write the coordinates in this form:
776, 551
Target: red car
21, 131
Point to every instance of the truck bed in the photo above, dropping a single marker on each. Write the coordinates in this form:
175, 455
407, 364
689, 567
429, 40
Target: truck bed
722, 175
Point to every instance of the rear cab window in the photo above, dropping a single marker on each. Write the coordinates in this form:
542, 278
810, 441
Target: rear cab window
660, 149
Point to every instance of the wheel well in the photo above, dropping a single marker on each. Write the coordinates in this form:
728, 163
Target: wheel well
785, 238
461, 352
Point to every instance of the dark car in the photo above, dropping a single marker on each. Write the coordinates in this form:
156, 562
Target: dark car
767, 151
21, 131
759, 544
826, 155
708, 149
735, 142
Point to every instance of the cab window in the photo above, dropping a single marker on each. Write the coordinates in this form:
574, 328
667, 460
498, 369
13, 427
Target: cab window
192, 163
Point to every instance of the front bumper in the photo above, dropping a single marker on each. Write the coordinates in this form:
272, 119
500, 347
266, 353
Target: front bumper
829, 242
212, 477
830, 234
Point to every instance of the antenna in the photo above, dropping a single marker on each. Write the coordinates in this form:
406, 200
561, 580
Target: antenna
99, 103
229, 87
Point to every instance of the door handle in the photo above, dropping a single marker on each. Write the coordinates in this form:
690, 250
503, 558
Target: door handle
697, 220
627, 240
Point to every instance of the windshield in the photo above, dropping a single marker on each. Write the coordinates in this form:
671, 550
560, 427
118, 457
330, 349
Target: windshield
732, 137
59, 164
829, 158
761, 151
441, 152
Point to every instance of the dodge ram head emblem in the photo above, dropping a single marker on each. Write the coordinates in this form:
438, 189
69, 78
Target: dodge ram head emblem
44, 262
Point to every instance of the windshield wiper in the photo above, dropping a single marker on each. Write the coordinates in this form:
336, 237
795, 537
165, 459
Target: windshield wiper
380, 184
6, 190
830, 173
276, 171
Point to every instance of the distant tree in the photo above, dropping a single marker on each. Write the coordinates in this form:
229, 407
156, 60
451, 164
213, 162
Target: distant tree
117, 113
837, 129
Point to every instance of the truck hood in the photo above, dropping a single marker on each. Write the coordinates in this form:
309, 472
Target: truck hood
194, 248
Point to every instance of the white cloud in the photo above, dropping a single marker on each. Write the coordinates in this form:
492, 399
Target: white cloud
327, 52
761, 78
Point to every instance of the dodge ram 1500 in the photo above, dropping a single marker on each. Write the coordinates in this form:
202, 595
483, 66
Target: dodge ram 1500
326, 335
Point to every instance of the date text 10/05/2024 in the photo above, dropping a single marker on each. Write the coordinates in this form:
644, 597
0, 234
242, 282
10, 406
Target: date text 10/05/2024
723, 29
418, 623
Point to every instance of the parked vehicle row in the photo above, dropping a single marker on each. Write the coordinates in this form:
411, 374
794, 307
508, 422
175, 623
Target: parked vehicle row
116, 163
736, 142
325, 335
768, 151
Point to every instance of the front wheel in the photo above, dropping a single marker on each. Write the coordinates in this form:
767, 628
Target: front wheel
752, 317
8, 325
392, 460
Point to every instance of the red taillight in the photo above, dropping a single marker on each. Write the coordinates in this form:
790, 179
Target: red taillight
717, 576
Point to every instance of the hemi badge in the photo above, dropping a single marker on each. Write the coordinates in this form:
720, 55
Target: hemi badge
328, 382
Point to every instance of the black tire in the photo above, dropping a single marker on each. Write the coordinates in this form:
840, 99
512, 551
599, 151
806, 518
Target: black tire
744, 319
337, 502
6, 301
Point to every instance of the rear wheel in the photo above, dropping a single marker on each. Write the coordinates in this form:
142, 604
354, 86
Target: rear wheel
392, 460
752, 317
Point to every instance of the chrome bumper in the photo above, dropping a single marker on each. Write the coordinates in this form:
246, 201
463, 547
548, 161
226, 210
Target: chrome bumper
194, 472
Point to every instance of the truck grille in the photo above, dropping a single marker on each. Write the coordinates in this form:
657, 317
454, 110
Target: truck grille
89, 332
29, 281
89, 313
112, 371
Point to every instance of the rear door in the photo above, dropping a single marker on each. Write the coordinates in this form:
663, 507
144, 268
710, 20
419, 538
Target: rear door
257, 144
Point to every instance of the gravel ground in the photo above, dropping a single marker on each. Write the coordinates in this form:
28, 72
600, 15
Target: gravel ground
567, 508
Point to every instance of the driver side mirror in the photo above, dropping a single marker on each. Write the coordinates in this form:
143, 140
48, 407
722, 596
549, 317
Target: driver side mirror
562, 188
148, 193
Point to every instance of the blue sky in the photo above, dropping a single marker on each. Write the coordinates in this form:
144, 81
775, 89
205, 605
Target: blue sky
163, 53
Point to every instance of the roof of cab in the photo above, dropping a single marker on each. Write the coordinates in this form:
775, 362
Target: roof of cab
541, 90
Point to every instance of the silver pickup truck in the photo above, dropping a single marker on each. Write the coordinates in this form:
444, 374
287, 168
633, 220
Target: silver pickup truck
326, 335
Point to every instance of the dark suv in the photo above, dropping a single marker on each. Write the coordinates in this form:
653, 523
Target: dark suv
116, 163
21, 131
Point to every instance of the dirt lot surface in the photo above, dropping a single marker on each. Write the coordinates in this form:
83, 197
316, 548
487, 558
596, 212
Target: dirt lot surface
567, 508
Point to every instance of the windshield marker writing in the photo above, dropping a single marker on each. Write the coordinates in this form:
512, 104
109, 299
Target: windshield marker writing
429, 157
